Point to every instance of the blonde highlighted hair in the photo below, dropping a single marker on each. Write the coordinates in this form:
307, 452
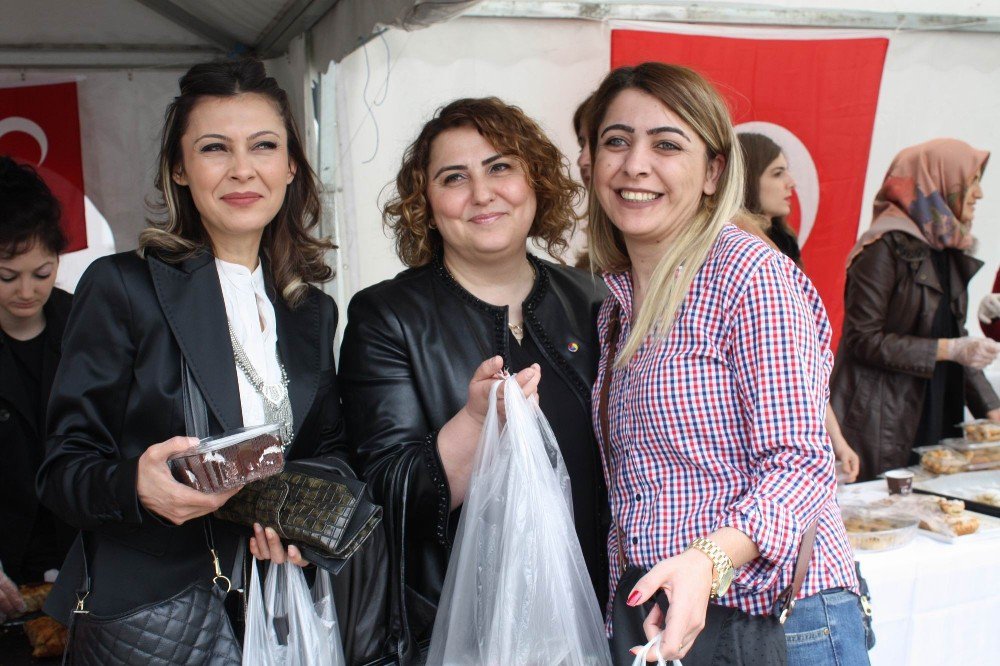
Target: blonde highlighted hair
690, 96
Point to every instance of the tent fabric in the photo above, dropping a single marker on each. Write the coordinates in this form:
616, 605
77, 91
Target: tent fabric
178, 33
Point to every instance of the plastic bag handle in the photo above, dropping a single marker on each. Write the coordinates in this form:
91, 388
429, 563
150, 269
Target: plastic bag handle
640, 657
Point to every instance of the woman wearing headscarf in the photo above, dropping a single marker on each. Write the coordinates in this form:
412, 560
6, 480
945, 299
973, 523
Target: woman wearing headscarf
906, 367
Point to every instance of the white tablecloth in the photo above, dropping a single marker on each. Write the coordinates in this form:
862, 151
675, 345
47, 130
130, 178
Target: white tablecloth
935, 603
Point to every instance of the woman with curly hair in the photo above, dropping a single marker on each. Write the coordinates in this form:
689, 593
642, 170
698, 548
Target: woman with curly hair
479, 181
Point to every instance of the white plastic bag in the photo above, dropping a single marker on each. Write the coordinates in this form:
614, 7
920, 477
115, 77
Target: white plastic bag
517, 590
286, 625
642, 654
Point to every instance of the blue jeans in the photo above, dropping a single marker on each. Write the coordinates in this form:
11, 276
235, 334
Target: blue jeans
827, 629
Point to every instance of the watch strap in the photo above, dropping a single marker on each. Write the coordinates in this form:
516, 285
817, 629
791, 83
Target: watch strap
721, 562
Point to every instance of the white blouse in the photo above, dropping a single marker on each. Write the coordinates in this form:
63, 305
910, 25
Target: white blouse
247, 307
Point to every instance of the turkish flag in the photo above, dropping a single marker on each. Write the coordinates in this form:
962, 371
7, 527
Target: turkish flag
40, 126
816, 98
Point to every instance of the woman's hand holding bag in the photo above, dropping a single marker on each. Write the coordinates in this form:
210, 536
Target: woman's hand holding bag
482, 383
686, 579
265, 544
286, 624
163, 495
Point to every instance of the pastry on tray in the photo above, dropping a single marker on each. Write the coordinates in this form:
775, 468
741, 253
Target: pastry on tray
34, 596
47, 637
943, 461
982, 431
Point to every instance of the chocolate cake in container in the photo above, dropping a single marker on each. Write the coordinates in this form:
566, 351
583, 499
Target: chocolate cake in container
232, 459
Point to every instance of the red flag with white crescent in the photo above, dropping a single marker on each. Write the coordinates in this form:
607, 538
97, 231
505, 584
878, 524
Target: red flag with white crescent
40, 126
816, 98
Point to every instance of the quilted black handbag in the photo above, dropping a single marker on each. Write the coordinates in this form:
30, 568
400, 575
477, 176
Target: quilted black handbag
316, 504
190, 628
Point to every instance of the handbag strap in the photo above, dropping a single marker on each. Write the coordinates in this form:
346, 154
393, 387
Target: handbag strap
787, 596
195, 425
614, 330
195, 410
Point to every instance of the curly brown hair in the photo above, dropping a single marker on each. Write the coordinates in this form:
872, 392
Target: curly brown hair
508, 129
295, 257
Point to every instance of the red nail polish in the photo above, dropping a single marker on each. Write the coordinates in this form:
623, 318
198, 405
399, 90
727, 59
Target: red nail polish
633, 598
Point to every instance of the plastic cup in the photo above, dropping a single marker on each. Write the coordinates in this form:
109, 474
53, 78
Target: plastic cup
900, 481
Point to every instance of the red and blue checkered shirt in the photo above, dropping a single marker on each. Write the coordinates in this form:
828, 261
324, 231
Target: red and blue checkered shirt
721, 424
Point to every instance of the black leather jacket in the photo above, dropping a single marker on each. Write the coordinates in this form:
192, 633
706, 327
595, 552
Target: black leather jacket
411, 346
118, 390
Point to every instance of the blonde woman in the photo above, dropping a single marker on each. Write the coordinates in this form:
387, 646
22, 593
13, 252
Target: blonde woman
716, 456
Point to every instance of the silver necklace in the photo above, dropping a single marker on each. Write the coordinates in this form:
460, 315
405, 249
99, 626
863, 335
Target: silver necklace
277, 405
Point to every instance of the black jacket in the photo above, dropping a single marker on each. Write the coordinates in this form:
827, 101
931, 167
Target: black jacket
118, 390
22, 447
411, 346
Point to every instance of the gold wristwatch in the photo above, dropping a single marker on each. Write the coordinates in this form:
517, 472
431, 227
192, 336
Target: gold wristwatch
722, 566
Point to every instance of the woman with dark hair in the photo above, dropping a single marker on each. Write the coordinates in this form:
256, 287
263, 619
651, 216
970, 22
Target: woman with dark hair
580, 130
905, 349
710, 392
32, 317
221, 284
767, 194
479, 181
768, 191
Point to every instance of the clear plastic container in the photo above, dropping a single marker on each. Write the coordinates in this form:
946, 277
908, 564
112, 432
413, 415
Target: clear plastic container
981, 430
942, 459
979, 455
230, 460
878, 530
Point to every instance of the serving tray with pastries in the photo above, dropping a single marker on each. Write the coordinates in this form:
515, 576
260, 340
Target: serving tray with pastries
979, 490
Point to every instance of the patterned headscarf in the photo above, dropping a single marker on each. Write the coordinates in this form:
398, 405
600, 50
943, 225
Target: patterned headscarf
923, 194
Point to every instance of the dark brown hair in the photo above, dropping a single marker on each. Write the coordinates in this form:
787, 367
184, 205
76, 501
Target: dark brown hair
580, 119
508, 129
294, 256
758, 152
29, 213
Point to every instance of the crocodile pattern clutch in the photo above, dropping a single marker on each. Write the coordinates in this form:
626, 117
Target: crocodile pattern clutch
325, 511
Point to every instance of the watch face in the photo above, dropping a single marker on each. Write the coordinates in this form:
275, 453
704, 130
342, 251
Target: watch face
725, 580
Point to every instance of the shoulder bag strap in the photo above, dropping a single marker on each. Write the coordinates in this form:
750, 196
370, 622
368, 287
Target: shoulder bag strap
786, 600
614, 331
195, 410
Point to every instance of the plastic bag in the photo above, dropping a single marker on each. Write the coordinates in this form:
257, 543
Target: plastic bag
642, 654
517, 589
286, 625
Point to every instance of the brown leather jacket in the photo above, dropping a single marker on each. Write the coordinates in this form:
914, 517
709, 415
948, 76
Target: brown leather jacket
885, 357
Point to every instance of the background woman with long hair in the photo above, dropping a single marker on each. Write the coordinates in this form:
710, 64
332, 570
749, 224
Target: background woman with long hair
767, 193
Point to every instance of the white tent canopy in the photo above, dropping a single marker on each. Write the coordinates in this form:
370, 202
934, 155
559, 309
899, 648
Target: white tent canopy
178, 33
